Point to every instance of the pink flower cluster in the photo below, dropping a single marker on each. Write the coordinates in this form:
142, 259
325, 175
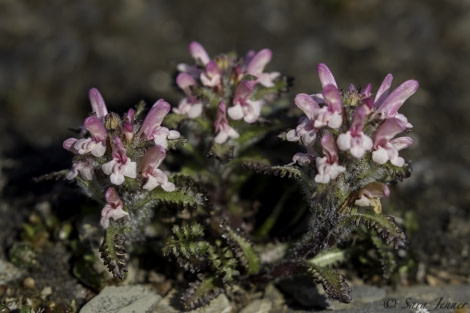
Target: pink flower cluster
353, 122
121, 149
231, 81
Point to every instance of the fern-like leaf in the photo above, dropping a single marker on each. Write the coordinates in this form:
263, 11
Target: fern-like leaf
188, 247
242, 248
384, 225
200, 293
182, 197
333, 283
387, 257
113, 251
278, 170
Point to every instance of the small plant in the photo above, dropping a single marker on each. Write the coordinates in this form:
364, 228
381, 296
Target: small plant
224, 140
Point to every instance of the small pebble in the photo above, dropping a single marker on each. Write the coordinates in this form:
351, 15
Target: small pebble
28, 282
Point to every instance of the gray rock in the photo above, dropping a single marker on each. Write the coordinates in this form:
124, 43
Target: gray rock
8, 272
310, 295
168, 305
123, 299
258, 306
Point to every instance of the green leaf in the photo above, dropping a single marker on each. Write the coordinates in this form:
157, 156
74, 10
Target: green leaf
184, 197
200, 293
188, 247
113, 251
387, 257
283, 171
384, 225
328, 257
334, 284
243, 249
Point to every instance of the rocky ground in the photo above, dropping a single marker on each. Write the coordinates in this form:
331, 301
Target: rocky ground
52, 52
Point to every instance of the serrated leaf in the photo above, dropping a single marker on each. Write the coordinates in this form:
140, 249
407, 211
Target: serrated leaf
333, 283
184, 197
200, 293
387, 258
243, 249
384, 225
113, 251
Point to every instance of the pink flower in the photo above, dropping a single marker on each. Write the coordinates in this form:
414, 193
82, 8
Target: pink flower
222, 128
189, 105
243, 107
114, 208
370, 195
198, 53
354, 139
306, 130
96, 145
120, 165
97, 103
386, 147
256, 64
83, 168
331, 114
151, 127
327, 166
155, 177
303, 159
212, 77
387, 104
325, 75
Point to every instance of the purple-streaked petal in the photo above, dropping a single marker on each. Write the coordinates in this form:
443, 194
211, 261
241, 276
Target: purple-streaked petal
258, 62
329, 147
397, 97
358, 120
307, 104
367, 91
152, 159
96, 128
384, 90
112, 197
325, 75
198, 52
333, 98
243, 91
69, 143
401, 142
389, 129
154, 118
97, 103
185, 81
119, 149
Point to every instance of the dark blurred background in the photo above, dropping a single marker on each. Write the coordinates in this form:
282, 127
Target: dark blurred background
52, 52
